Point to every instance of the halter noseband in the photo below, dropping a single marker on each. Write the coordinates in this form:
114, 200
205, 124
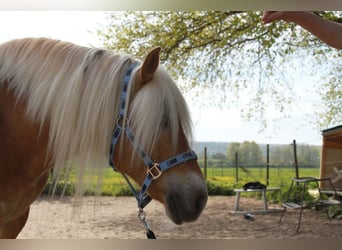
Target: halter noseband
154, 170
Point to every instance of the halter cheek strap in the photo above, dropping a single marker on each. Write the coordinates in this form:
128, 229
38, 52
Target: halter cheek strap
154, 170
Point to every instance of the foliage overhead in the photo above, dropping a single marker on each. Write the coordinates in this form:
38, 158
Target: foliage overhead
231, 56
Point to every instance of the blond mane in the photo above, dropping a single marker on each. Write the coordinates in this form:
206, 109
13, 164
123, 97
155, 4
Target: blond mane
157, 105
76, 91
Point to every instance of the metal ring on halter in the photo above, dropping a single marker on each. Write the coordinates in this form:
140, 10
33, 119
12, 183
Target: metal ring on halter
155, 168
119, 122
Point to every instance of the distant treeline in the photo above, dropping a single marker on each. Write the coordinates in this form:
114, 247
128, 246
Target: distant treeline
253, 155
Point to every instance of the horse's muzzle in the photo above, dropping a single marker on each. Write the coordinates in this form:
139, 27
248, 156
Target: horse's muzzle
185, 208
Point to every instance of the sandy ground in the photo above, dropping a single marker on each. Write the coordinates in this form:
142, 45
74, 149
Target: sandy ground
115, 217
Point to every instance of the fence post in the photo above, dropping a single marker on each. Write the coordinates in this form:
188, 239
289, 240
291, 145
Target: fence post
236, 167
295, 158
205, 163
267, 164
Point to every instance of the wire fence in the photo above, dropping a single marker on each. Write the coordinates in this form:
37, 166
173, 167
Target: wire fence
279, 175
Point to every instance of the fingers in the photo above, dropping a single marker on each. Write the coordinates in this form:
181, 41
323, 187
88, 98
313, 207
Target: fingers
271, 16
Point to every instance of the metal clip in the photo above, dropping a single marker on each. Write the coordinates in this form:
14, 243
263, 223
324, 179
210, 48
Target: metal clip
142, 218
154, 171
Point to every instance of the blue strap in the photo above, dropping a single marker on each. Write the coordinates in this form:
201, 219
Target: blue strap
153, 167
154, 170
122, 107
144, 156
163, 166
115, 138
127, 78
178, 159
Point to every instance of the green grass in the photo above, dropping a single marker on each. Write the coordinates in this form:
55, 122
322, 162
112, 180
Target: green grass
111, 184
277, 176
220, 181
225, 179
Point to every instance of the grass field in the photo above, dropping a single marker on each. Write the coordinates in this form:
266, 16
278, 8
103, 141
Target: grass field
278, 176
111, 184
220, 181
223, 181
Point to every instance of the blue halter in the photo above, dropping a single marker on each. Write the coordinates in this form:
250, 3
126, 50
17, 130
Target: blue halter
154, 170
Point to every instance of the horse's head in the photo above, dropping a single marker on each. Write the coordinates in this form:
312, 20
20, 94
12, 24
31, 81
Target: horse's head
159, 118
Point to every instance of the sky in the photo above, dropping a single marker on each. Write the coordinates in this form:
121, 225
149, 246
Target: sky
211, 123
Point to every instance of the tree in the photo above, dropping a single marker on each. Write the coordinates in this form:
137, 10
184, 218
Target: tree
281, 155
228, 52
330, 113
249, 153
308, 155
218, 156
256, 156
233, 148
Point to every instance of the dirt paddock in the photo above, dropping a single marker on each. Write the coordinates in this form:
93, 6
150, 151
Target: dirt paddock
115, 217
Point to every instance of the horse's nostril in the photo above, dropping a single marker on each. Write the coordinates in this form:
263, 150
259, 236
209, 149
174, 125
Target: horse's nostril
185, 208
201, 201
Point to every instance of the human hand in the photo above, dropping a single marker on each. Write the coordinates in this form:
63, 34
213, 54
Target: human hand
271, 16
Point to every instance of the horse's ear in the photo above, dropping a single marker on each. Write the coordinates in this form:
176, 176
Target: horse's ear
150, 65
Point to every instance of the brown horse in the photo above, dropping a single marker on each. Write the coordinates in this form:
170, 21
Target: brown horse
59, 103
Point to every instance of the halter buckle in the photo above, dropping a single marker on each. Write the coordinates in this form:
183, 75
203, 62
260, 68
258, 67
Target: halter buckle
154, 171
121, 121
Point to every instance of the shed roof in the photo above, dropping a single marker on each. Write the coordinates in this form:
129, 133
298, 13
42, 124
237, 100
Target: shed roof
333, 129
332, 137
